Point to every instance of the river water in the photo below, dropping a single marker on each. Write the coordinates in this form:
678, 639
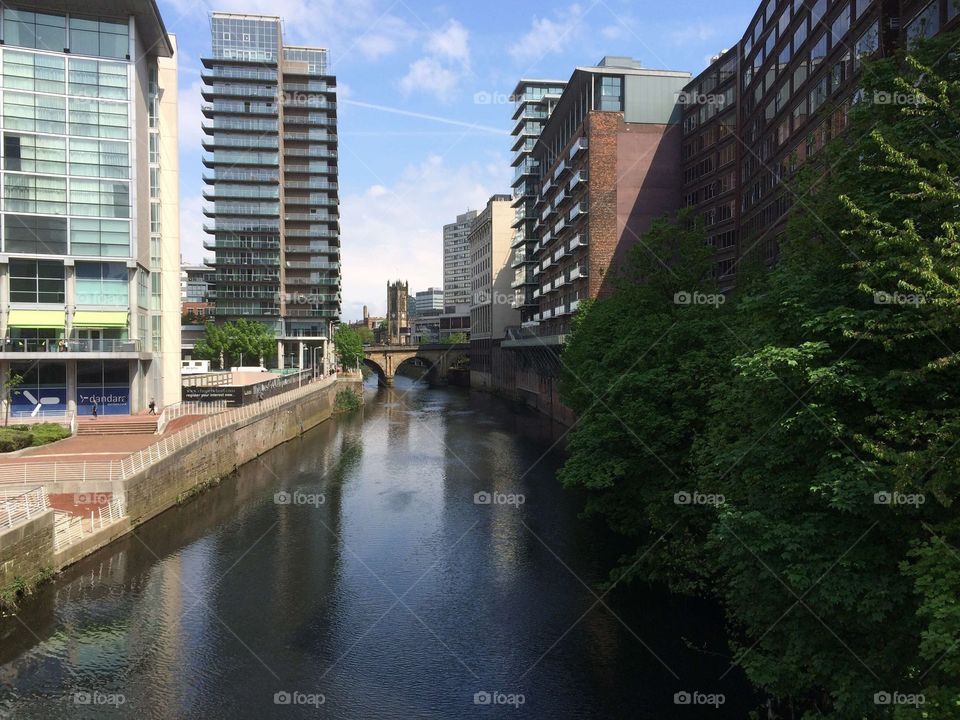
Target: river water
351, 573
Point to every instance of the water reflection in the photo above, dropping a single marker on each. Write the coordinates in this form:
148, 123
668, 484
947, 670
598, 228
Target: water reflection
354, 562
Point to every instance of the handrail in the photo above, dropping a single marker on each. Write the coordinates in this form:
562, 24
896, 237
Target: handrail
29, 473
21, 508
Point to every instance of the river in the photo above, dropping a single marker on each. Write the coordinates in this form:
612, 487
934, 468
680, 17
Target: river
353, 574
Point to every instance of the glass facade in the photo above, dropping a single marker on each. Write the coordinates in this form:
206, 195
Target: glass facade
69, 88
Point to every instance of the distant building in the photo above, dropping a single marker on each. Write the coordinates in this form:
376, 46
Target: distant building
426, 327
456, 259
596, 165
454, 320
398, 318
196, 282
429, 299
493, 299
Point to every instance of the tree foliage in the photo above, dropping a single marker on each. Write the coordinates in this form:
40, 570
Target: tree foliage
348, 345
795, 450
246, 340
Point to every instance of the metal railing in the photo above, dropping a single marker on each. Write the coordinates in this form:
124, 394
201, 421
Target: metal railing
71, 345
34, 473
21, 508
180, 409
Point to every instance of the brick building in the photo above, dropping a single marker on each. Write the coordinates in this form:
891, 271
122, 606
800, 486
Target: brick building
773, 100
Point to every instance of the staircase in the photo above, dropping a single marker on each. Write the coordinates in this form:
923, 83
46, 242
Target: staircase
118, 425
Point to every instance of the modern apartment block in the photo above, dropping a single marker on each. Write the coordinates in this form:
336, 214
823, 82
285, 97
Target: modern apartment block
491, 280
89, 267
456, 260
772, 101
272, 156
535, 100
595, 166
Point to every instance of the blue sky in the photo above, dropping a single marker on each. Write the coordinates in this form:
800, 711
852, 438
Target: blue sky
424, 114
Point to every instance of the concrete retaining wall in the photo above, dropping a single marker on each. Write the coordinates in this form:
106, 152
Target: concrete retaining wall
26, 551
214, 456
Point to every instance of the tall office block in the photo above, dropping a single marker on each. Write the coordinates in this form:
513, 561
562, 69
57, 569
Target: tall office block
272, 156
456, 260
89, 268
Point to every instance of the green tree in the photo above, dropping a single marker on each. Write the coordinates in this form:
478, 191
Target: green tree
456, 338
12, 381
366, 335
818, 409
348, 345
236, 341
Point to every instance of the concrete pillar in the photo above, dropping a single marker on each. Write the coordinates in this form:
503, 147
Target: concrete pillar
280, 354
69, 294
4, 297
72, 385
302, 346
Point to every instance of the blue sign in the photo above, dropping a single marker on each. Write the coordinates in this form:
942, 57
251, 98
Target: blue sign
30, 400
110, 400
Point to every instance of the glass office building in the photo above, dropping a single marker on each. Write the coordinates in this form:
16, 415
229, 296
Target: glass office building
272, 183
88, 152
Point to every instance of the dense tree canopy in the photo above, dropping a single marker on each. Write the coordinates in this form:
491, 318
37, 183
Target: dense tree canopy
237, 342
794, 449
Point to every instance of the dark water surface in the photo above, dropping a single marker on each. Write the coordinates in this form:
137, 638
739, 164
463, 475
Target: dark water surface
381, 590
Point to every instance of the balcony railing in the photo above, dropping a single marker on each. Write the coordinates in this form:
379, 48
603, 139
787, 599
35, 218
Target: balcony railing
31, 345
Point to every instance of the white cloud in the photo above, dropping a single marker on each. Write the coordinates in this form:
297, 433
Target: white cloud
692, 33
395, 232
547, 35
445, 64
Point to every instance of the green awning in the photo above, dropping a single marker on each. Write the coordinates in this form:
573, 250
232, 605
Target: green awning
55, 319
100, 319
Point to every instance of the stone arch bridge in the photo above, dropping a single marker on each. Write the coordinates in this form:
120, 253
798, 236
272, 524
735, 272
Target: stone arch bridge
385, 360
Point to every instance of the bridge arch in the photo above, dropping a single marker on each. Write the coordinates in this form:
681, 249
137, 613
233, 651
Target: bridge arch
377, 370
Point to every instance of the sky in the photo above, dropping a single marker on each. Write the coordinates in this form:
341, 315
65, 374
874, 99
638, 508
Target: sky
424, 113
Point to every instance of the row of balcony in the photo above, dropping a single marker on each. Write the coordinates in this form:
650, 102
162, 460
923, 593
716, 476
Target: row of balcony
567, 278
312, 265
579, 210
319, 136
65, 345
561, 310
236, 243
241, 176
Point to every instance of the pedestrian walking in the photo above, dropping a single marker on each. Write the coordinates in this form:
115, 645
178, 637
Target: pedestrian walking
260, 397
153, 406
93, 410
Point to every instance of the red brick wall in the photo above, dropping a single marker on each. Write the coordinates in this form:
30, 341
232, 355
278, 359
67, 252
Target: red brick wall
635, 177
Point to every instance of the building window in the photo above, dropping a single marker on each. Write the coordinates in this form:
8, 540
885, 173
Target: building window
34, 194
34, 153
97, 78
34, 72
104, 38
100, 198
866, 44
102, 284
34, 113
818, 52
817, 12
36, 281
94, 118
100, 238
34, 30
611, 95
863, 5
926, 24
840, 26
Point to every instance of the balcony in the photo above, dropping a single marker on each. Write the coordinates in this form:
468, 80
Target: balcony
578, 241
581, 145
579, 209
579, 177
560, 170
578, 272
69, 346
312, 265
239, 244
528, 167
309, 152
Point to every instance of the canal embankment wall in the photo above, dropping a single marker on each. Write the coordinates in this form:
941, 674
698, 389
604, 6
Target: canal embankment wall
28, 551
